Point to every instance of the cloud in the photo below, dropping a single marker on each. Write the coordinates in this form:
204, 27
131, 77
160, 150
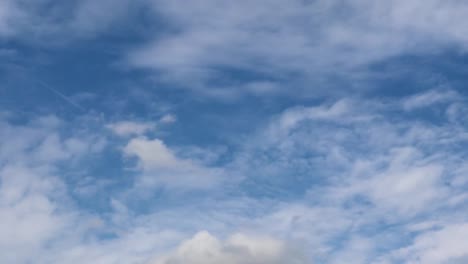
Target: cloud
129, 128
168, 118
28, 212
40, 20
444, 245
367, 167
6, 11
33, 200
161, 166
384, 186
260, 48
355, 179
204, 248
404, 187
136, 128
431, 97
153, 153
340, 111
272, 40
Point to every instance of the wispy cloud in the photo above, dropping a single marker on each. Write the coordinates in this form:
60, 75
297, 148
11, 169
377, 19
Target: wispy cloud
129, 128
274, 39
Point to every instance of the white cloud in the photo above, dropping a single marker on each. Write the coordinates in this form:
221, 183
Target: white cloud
446, 245
129, 128
153, 153
91, 16
204, 248
168, 118
27, 212
273, 38
161, 166
135, 128
406, 187
336, 112
316, 226
428, 98
308, 38
45, 19
370, 169
346, 180
29, 191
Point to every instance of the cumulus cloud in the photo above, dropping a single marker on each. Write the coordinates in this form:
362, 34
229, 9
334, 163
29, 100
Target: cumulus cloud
204, 248
161, 166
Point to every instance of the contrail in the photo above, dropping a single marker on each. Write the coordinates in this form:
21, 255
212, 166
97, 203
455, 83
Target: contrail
64, 97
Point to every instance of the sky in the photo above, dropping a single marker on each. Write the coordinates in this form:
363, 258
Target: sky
233, 132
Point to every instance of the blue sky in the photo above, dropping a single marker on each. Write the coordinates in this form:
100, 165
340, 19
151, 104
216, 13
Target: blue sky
234, 132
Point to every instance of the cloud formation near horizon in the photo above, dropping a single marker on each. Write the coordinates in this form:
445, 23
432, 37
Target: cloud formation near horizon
239, 248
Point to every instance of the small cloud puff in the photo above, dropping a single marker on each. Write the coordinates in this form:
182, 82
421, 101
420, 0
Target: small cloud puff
129, 128
168, 119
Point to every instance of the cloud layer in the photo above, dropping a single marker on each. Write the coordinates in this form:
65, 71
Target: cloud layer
257, 132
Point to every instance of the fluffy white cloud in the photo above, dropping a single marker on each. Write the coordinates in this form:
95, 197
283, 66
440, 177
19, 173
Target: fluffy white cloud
28, 212
204, 248
161, 166
33, 199
153, 154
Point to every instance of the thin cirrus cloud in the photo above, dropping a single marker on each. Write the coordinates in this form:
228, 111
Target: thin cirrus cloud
377, 171
309, 38
67, 21
206, 43
129, 128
